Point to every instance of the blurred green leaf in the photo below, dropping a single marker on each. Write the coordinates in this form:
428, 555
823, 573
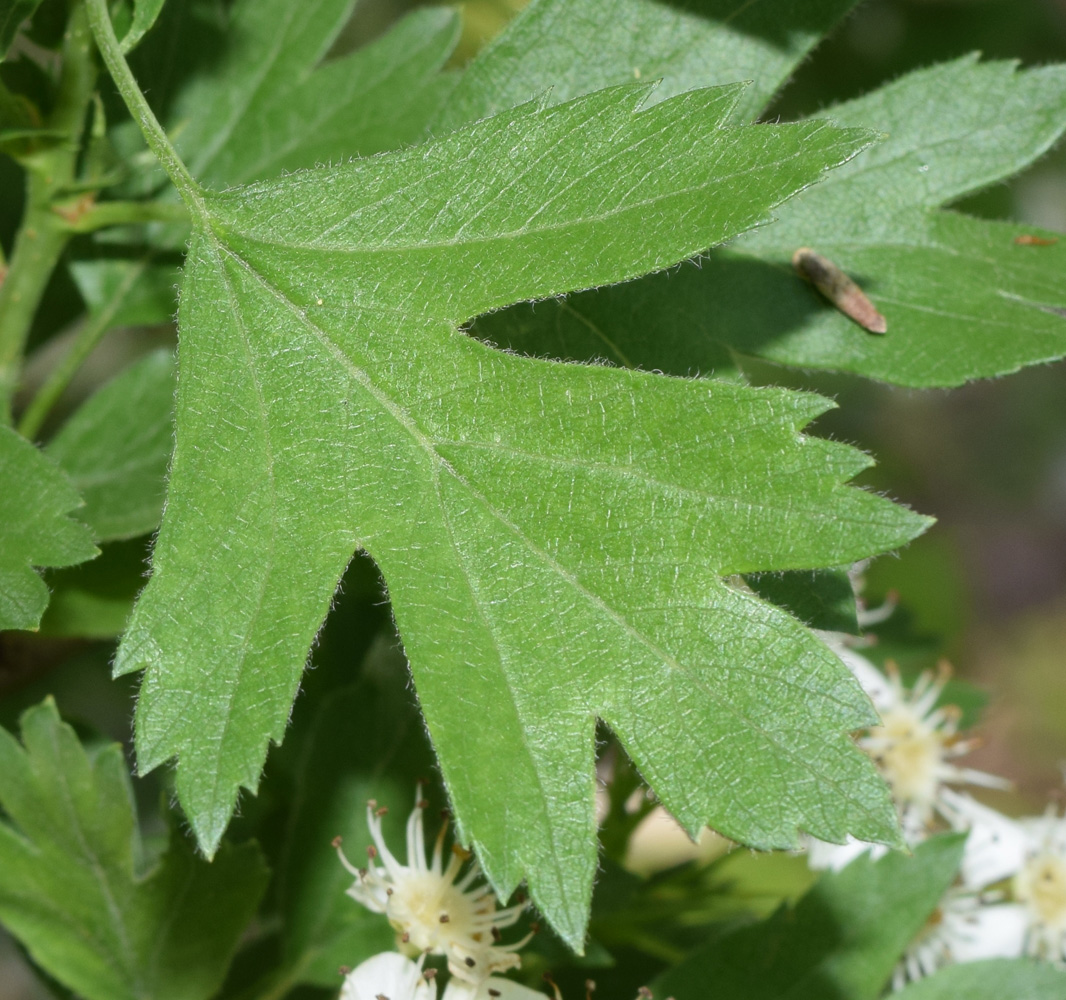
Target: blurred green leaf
272, 105
554, 537
35, 529
115, 449
70, 890
841, 941
1018, 979
556, 50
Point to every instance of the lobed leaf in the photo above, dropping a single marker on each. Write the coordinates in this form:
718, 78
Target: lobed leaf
69, 886
842, 939
554, 537
35, 529
962, 298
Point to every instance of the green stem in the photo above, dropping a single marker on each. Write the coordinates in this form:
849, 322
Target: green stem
43, 235
124, 213
157, 140
88, 337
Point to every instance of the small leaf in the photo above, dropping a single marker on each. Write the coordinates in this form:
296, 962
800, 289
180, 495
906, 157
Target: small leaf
34, 529
116, 446
842, 939
69, 890
997, 979
554, 537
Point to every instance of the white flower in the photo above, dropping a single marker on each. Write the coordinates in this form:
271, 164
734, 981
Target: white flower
914, 748
431, 911
389, 975
1031, 852
966, 927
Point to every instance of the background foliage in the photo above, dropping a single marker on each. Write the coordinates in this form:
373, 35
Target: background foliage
992, 472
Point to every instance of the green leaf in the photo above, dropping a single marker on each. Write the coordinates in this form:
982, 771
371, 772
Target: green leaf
116, 446
12, 14
554, 537
145, 13
272, 105
823, 599
35, 529
560, 49
70, 890
1018, 979
962, 299
841, 940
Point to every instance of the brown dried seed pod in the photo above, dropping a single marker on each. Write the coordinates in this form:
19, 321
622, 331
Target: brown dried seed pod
836, 286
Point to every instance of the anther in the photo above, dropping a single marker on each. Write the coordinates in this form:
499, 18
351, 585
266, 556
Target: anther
336, 841
343, 970
371, 851
383, 811
444, 918
644, 993
429, 975
406, 937
496, 935
470, 963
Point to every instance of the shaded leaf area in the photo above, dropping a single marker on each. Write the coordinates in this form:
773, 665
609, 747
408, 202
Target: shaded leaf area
963, 299
116, 446
556, 50
554, 537
823, 599
94, 599
35, 529
841, 941
71, 885
1018, 979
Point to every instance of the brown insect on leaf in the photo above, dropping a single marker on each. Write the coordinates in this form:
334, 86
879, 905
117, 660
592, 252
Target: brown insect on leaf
836, 286
1029, 240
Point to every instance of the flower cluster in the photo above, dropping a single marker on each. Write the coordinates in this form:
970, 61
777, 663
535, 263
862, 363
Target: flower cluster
435, 909
1010, 897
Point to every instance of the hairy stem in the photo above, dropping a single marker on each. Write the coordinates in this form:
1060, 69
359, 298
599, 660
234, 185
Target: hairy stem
157, 140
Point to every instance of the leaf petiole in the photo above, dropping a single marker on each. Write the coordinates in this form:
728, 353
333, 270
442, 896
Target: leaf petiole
111, 51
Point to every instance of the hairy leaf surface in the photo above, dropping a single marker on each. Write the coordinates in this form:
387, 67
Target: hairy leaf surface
962, 298
35, 529
70, 888
554, 537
